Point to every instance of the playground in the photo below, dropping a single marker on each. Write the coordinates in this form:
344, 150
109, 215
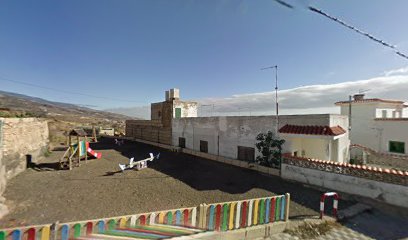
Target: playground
98, 188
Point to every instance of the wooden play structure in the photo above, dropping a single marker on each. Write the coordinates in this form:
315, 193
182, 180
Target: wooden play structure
78, 149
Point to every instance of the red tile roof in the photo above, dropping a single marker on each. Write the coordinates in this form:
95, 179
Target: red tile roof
370, 100
312, 130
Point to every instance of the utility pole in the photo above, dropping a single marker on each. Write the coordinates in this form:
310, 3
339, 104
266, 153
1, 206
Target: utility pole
276, 95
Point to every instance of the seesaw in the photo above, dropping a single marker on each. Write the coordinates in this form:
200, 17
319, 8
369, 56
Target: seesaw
141, 164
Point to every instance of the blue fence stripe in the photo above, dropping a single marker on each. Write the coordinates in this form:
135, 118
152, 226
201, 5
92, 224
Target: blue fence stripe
178, 217
211, 220
282, 213
267, 208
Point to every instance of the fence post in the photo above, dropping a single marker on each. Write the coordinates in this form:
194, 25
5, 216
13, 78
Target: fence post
287, 207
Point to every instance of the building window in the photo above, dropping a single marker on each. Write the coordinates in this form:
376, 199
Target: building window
396, 147
159, 114
246, 154
203, 146
182, 142
384, 113
178, 112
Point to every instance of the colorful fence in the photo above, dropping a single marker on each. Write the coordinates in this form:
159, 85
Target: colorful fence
240, 214
216, 216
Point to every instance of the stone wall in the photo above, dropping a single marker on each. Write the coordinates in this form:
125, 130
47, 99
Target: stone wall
385, 185
23, 138
3, 180
152, 131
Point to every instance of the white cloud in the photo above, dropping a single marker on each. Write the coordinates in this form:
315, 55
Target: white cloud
301, 100
310, 99
399, 71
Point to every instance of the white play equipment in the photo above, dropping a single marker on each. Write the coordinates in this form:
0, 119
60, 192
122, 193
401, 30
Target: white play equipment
141, 164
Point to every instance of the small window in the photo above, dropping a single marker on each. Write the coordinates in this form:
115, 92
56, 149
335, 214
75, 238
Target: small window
384, 113
295, 153
203, 146
178, 112
246, 154
396, 147
182, 142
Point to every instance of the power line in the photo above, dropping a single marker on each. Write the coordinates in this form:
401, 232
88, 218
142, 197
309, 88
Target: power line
324, 14
65, 91
359, 31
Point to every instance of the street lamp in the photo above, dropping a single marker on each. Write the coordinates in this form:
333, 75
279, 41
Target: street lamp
276, 94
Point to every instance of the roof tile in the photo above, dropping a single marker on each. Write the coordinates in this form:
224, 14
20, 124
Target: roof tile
312, 130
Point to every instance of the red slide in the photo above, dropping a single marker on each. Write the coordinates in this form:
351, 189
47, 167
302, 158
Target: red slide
92, 152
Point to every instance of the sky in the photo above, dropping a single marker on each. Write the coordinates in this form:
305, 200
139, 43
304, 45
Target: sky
124, 54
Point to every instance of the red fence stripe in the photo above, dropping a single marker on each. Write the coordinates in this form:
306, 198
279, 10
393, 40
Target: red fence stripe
142, 220
31, 234
218, 217
272, 215
185, 213
244, 214
89, 228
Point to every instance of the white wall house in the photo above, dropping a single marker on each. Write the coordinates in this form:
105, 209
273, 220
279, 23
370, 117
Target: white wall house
379, 124
320, 136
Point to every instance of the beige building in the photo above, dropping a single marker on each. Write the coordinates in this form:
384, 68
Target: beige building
158, 129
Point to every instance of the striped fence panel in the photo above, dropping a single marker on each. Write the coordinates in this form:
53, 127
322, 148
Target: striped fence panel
240, 214
216, 216
41, 232
181, 217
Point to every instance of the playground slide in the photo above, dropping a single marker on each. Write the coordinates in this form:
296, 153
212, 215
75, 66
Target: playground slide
92, 152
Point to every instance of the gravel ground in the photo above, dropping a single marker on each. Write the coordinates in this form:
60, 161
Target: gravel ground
97, 189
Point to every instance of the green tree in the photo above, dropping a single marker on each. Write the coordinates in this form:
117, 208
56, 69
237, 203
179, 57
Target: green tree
270, 147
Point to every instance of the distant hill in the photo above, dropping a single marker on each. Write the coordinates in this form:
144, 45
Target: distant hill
142, 112
62, 116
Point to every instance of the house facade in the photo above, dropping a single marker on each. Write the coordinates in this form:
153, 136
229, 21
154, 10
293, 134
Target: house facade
378, 124
319, 136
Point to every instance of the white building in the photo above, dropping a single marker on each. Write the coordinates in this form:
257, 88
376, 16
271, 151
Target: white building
381, 125
320, 136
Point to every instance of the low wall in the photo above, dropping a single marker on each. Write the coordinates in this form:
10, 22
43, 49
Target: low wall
235, 162
365, 155
384, 185
23, 138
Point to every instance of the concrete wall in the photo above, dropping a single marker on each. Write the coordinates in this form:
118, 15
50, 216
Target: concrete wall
390, 130
22, 137
389, 187
225, 134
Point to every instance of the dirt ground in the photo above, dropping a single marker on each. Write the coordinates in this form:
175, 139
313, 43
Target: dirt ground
97, 189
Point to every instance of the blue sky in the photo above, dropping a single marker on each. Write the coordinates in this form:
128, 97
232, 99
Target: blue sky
135, 49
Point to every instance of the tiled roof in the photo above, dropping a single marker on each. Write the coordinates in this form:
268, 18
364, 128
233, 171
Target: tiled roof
369, 100
312, 130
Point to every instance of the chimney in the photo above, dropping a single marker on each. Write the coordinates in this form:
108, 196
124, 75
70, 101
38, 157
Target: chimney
358, 97
167, 96
174, 94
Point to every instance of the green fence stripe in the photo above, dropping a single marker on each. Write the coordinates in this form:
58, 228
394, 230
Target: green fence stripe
277, 208
77, 230
262, 211
225, 217
169, 218
2, 233
112, 224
